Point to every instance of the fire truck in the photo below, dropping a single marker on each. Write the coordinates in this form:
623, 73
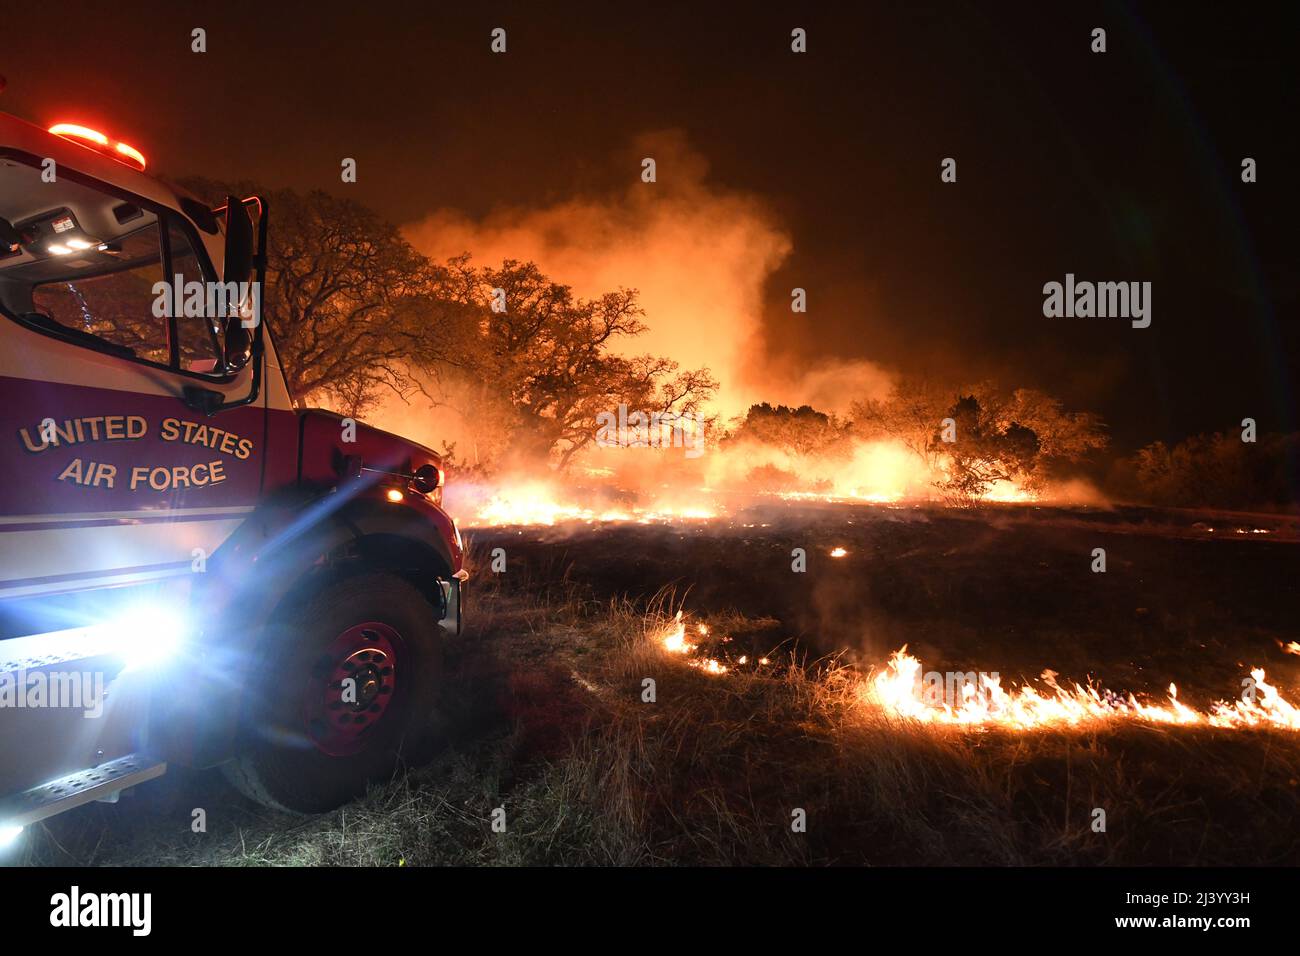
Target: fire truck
193, 569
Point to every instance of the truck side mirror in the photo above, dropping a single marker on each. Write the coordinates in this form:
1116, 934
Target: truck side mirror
242, 346
237, 269
239, 242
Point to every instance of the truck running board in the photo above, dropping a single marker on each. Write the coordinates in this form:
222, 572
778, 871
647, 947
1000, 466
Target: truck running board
66, 793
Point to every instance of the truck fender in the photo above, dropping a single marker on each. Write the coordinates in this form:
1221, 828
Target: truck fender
273, 557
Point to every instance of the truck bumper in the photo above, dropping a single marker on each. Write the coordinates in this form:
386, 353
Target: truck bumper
451, 603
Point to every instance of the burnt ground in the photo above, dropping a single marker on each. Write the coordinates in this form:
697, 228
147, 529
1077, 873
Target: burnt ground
545, 716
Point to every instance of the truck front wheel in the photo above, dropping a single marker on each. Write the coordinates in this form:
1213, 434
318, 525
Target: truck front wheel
350, 687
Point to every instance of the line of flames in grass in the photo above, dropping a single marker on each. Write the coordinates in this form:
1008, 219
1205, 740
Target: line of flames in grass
897, 689
539, 503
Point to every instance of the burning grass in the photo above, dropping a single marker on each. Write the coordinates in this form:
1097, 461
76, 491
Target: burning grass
901, 688
713, 770
897, 688
550, 722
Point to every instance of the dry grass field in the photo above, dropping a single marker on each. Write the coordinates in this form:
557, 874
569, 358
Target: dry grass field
547, 718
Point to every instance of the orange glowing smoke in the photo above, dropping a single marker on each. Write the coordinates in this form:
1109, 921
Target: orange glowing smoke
698, 253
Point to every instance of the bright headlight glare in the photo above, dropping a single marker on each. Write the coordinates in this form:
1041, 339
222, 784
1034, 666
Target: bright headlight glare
145, 635
8, 834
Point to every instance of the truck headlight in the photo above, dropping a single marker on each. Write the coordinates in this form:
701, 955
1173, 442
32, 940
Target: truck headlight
146, 634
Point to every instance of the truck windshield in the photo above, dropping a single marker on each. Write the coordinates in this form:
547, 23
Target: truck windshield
83, 264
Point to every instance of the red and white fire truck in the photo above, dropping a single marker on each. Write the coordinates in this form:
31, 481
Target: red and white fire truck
192, 569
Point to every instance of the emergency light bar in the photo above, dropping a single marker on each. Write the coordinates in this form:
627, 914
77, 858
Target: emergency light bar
94, 139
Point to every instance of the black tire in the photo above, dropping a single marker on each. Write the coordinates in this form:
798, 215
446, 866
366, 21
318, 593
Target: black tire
294, 757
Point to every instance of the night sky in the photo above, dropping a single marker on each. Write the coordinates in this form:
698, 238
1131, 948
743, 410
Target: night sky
1116, 167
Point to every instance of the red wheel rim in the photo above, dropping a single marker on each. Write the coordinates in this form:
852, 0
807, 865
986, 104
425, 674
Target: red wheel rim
343, 717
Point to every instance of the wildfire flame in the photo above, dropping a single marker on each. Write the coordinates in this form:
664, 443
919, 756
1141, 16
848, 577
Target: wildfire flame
540, 504
878, 473
710, 666
673, 640
898, 689
1008, 492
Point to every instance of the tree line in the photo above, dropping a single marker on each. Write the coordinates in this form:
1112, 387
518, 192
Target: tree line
358, 314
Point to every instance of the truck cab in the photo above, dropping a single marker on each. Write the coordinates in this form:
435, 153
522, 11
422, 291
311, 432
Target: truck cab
205, 571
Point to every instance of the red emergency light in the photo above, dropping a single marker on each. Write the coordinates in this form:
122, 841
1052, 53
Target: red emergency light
94, 139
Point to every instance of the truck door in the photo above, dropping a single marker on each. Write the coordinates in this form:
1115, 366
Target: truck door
112, 475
